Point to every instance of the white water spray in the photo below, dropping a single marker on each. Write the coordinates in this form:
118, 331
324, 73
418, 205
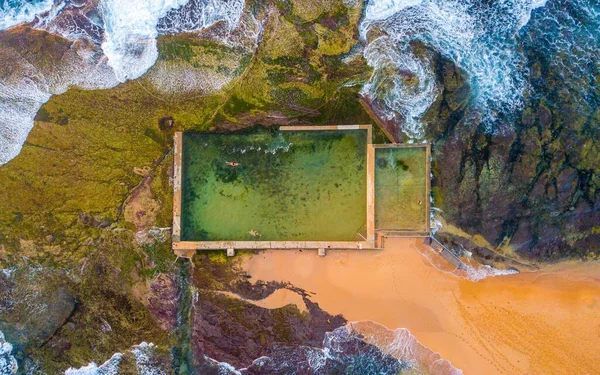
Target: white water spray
480, 39
129, 30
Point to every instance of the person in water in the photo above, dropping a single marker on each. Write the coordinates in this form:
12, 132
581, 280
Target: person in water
232, 163
254, 233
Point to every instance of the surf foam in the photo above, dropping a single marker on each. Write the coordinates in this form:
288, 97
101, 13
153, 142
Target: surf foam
480, 38
201, 14
145, 363
110, 367
8, 363
128, 31
13, 13
357, 348
130, 34
403, 346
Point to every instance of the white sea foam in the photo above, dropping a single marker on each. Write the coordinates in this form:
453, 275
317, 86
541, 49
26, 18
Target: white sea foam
224, 368
380, 10
179, 79
8, 363
479, 38
130, 34
16, 118
131, 27
404, 346
24, 11
128, 50
145, 361
27, 88
110, 367
200, 14
401, 81
480, 272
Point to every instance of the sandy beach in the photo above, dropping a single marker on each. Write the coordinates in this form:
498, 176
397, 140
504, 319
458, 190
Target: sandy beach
545, 322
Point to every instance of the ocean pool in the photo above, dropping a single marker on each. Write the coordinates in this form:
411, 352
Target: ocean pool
401, 189
286, 186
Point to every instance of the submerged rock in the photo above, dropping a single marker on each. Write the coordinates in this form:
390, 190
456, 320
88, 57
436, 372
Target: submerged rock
34, 303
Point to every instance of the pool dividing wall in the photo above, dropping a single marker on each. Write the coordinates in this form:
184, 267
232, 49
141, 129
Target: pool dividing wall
186, 242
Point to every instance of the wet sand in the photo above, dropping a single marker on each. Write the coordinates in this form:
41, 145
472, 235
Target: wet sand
276, 300
545, 322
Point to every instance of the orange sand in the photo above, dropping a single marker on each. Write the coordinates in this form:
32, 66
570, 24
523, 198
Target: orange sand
531, 323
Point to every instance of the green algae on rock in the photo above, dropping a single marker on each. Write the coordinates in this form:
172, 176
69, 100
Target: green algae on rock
90, 192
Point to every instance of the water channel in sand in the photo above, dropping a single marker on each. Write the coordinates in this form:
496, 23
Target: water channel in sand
545, 322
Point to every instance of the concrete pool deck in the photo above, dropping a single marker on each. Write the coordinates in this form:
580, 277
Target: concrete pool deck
373, 239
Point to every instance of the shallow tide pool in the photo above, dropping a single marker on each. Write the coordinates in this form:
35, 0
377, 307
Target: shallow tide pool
286, 186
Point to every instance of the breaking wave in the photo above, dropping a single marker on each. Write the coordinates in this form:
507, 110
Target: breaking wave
405, 347
461, 263
145, 363
480, 272
112, 42
130, 34
8, 363
200, 14
15, 12
479, 37
131, 28
110, 367
357, 348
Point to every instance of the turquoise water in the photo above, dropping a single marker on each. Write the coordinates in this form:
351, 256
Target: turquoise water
308, 185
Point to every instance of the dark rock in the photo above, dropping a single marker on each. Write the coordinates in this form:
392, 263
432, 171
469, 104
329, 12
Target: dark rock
34, 303
162, 301
95, 221
237, 332
166, 123
529, 179
342, 353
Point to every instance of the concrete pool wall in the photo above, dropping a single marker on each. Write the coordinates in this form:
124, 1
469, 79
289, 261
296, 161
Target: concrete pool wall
372, 239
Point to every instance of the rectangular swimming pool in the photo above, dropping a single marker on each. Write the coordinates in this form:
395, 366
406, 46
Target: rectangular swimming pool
274, 186
401, 189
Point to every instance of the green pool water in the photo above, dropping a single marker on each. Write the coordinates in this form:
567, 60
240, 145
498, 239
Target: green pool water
400, 189
305, 185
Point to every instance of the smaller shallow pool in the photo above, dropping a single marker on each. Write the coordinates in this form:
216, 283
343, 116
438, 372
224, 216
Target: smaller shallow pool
400, 189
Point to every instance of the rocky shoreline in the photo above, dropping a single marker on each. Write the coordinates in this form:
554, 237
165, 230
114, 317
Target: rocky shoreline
84, 206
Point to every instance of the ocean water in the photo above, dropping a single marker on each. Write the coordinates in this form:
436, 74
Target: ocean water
491, 41
8, 363
123, 46
357, 348
371, 349
110, 367
145, 363
15, 12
